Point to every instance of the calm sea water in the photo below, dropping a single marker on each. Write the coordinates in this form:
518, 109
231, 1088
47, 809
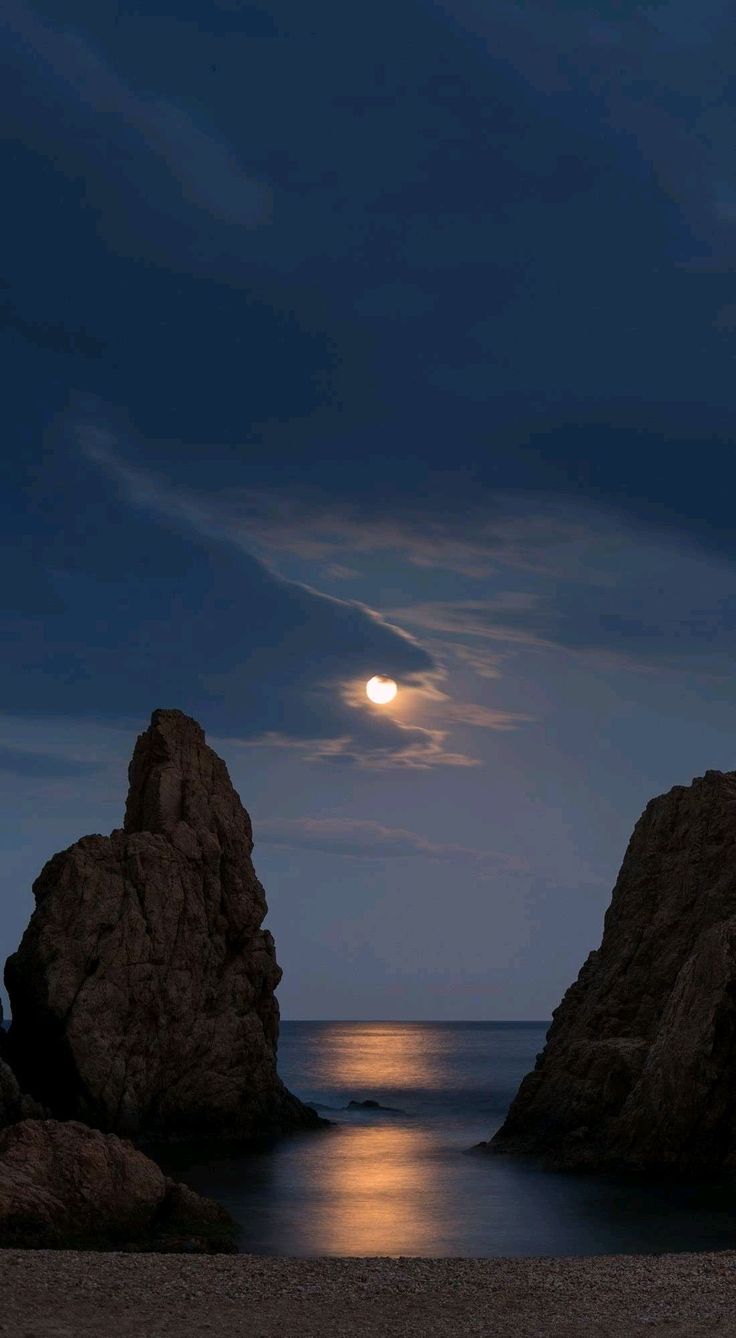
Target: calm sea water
401, 1182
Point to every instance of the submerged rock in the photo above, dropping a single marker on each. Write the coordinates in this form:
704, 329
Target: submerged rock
639, 1067
64, 1185
142, 993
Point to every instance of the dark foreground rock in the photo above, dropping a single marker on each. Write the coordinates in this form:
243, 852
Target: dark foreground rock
14, 1104
142, 994
64, 1185
639, 1067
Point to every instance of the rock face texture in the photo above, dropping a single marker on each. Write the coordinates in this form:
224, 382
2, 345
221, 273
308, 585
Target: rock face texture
639, 1067
142, 994
62, 1184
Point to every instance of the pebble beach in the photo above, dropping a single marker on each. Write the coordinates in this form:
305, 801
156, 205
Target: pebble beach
64, 1294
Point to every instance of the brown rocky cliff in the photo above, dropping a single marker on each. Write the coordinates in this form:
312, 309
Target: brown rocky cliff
142, 994
639, 1066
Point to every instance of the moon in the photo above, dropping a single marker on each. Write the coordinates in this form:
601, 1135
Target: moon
380, 689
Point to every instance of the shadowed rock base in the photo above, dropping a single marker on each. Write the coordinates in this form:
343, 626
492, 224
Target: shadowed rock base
142, 994
639, 1068
14, 1104
65, 1186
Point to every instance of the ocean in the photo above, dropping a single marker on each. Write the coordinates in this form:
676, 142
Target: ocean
400, 1181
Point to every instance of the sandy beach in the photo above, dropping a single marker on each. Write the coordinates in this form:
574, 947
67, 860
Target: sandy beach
60, 1294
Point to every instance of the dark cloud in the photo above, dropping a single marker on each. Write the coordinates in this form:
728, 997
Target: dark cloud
661, 72
154, 609
414, 185
553, 573
47, 334
206, 170
531, 572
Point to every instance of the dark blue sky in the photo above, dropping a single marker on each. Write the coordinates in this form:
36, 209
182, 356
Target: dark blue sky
392, 339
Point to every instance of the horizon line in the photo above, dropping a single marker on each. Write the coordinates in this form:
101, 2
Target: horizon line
434, 1021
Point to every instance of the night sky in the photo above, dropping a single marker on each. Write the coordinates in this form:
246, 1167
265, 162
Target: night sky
391, 338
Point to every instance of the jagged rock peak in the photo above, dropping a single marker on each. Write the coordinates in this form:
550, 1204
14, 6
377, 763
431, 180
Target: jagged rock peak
142, 994
175, 777
639, 1066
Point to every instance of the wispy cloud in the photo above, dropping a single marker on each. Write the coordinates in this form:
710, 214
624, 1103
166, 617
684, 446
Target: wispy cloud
41, 765
482, 662
423, 748
270, 523
562, 577
499, 530
356, 734
487, 619
206, 517
356, 838
205, 168
486, 717
410, 745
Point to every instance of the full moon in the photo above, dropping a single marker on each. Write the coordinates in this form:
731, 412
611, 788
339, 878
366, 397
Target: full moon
380, 689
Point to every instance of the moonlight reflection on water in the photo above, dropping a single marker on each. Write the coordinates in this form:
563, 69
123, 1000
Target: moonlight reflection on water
362, 1057
399, 1182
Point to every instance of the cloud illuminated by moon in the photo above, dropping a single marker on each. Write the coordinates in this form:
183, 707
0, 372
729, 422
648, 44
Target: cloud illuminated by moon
380, 689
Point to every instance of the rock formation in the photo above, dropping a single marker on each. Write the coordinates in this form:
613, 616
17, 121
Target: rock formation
64, 1185
639, 1067
142, 994
14, 1104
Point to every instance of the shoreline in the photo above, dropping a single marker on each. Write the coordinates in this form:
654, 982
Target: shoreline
67, 1294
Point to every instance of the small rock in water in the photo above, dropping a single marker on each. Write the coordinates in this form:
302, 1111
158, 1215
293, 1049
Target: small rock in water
372, 1105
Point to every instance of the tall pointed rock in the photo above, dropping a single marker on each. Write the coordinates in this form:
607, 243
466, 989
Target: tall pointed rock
142, 994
